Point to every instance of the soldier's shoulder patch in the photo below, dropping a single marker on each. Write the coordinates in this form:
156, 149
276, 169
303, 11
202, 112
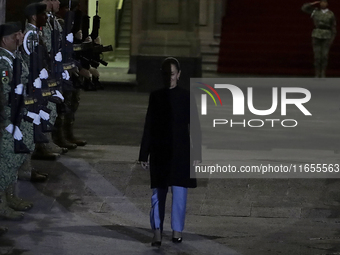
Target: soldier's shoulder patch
4, 77
5, 80
4, 73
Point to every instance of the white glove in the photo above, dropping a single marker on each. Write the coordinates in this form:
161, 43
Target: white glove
35, 117
69, 37
59, 95
43, 74
66, 75
44, 115
58, 57
37, 83
17, 133
19, 89
79, 35
88, 39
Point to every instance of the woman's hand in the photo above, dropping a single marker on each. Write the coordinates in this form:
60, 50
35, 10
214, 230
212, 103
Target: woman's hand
316, 2
145, 165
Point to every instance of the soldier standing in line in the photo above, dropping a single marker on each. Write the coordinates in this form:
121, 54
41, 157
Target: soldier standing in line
50, 151
36, 14
72, 97
3, 230
10, 204
26, 171
63, 134
323, 35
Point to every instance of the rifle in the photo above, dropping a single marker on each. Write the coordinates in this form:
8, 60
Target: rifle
35, 99
57, 68
77, 24
17, 102
67, 47
96, 24
98, 50
85, 26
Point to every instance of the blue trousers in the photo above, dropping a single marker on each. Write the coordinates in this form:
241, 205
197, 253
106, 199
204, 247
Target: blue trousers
178, 208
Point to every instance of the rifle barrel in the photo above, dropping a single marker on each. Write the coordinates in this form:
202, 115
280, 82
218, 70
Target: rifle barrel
97, 3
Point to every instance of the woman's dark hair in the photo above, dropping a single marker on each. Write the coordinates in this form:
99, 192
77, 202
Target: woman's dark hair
168, 61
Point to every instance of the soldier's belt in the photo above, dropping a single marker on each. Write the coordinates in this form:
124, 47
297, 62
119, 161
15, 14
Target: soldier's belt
30, 101
69, 66
52, 83
77, 47
47, 93
82, 47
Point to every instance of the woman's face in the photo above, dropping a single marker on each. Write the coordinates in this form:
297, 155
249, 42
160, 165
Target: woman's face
175, 74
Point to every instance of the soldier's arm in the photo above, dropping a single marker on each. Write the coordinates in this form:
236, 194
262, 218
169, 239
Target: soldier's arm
5, 80
309, 7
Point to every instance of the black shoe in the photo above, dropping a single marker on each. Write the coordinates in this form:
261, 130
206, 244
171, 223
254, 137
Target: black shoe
41, 173
41, 152
45, 156
176, 237
157, 238
64, 150
37, 177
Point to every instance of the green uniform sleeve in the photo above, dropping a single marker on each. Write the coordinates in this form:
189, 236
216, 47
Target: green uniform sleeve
5, 83
307, 8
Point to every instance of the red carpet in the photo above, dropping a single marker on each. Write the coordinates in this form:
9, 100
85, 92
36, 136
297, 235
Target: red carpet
268, 37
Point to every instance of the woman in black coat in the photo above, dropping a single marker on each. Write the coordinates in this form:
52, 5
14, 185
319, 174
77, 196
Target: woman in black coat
168, 140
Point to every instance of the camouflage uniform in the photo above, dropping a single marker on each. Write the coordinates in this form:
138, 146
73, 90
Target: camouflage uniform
9, 161
46, 38
72, 97
322, 36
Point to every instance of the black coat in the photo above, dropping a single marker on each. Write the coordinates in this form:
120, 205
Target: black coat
167, 139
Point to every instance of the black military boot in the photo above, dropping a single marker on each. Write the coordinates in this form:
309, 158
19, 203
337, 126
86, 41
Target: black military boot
15, 202
41, 152
58, 135
6, 212
52, 147
88, 85
68, 130
27, 173
97, 83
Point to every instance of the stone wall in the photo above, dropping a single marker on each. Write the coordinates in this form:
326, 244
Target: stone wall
162, 28
107, 12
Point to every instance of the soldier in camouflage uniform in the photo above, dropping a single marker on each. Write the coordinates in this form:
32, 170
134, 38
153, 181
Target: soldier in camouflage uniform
42, 150
323, 35
3, 230
65, 133
10, 37
58, 119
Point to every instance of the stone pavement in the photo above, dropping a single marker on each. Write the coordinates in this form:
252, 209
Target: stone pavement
97, 199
